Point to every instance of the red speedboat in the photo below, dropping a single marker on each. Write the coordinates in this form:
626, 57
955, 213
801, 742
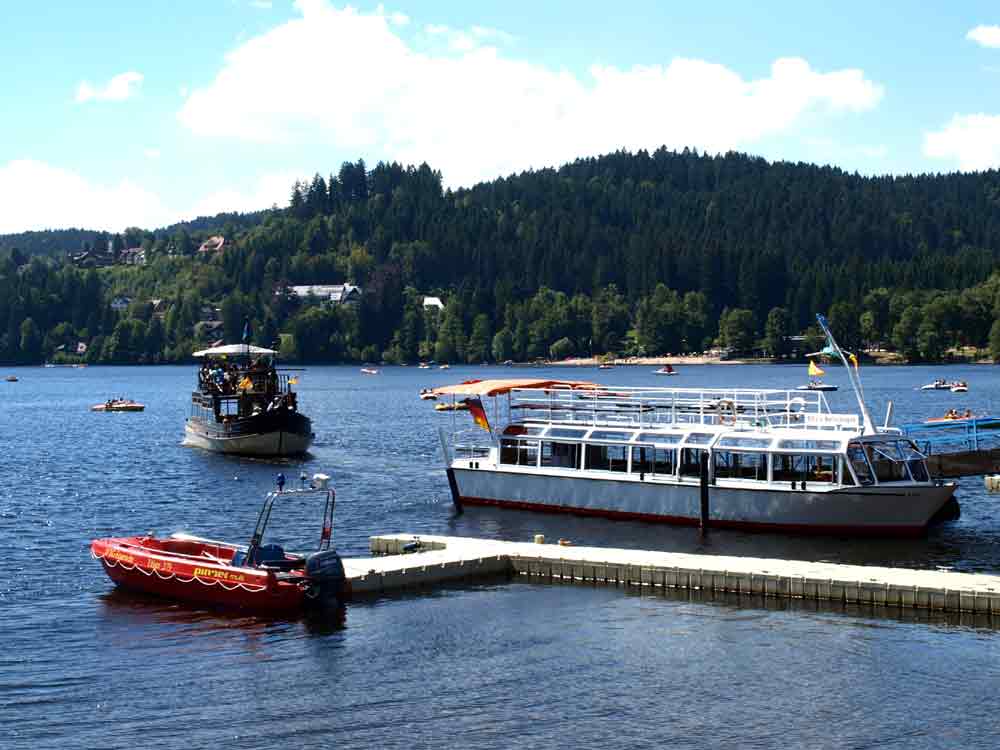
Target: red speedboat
257, 576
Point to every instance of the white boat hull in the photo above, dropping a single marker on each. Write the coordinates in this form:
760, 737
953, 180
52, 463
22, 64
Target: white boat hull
278, 443
878, 510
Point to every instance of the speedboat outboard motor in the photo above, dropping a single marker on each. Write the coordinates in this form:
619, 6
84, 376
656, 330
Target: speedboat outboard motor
325, 574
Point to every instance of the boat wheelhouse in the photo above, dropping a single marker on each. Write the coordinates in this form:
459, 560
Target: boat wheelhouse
243, 405
776, 459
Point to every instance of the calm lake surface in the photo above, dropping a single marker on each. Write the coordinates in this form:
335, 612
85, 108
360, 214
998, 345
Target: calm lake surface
490, 665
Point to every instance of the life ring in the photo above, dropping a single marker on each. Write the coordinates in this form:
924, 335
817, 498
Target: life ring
723, 404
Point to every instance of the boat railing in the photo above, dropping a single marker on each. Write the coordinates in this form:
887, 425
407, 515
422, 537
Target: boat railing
470, 443
653, 407
954, 435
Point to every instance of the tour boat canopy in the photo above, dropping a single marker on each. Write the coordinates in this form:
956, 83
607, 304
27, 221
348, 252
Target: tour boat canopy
234, 350
500, 386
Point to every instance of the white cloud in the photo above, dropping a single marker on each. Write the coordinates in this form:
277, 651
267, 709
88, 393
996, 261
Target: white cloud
36, 195
436, 28
986, 36
117, 89
262, 4
39, 196
184, 91
973, 141
475, 113
268, 190
151, 153
395, 17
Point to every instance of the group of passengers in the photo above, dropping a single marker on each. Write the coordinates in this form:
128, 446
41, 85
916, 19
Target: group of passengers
227, 378
955, 414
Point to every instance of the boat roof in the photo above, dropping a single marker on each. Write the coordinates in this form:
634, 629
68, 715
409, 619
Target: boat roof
500, 386
233, 350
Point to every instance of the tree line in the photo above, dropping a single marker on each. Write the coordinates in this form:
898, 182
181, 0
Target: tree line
627, 253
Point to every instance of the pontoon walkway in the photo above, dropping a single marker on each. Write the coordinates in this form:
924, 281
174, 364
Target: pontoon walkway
444, 559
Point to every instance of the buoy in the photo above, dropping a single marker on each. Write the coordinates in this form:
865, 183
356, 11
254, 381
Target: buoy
565, 543
992, 482
539, 538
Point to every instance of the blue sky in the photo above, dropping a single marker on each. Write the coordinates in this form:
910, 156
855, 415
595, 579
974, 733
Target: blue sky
120, 114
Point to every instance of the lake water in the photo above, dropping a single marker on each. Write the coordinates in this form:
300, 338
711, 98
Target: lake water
491, 665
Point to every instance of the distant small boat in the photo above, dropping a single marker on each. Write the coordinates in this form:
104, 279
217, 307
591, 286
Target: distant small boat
11, 378
119, 404
938, 385
83, 364
424, 366
369, 371
508, 363
665, 370
816, 385
445, 367
454, 406
426, 394
959, 386
605, 366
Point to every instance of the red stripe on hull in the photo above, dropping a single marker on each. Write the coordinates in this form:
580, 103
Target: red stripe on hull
896, 531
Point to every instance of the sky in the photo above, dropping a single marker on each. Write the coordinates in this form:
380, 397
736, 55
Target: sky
116, 114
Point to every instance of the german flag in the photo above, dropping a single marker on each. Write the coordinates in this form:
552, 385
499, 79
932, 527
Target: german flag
478, 413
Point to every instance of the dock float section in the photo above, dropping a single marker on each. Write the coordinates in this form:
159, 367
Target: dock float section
439, 559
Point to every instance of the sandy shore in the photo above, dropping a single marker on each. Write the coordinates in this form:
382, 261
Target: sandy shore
646, 361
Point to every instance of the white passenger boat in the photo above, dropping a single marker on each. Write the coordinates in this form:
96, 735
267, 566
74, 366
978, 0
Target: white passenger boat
776, 459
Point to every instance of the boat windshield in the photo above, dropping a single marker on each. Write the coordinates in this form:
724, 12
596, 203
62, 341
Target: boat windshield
856, 455
915, 460
887, 461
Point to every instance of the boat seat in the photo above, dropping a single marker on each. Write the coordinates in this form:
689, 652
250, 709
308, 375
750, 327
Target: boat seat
268, 553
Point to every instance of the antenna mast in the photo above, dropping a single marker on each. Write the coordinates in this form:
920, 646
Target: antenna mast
852, 375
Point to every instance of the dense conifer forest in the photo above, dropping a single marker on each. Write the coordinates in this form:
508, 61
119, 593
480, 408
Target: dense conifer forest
627, 254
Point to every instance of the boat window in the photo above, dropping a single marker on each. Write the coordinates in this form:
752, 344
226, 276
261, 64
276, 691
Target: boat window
691, 462
607, 457
799, 467
744, 442
659, 438
565, 432
887, 462
740, 465
647, 459
519, 452
856, 455
611, 435
523, 429
561, 455
845, 473
699, 438
810, 445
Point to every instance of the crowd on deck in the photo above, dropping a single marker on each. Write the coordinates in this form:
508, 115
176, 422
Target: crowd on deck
224, 377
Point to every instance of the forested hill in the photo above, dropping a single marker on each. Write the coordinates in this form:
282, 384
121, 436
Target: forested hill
630, 253
61, 242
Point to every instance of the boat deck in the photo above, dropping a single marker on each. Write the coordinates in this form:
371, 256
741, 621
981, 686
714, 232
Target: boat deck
443, 559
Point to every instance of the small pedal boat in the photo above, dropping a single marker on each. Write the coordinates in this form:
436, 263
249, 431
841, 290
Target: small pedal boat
259, 577
119, 404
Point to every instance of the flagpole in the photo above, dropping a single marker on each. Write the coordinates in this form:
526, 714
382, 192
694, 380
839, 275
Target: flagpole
852, 375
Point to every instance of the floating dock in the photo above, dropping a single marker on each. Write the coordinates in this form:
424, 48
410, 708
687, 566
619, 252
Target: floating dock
441, 559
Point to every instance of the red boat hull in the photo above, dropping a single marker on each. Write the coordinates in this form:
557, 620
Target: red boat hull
200, 573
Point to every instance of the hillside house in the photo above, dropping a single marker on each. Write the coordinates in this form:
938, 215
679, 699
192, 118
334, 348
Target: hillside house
331, 294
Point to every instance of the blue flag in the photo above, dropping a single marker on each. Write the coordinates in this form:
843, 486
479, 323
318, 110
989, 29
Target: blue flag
246, 331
